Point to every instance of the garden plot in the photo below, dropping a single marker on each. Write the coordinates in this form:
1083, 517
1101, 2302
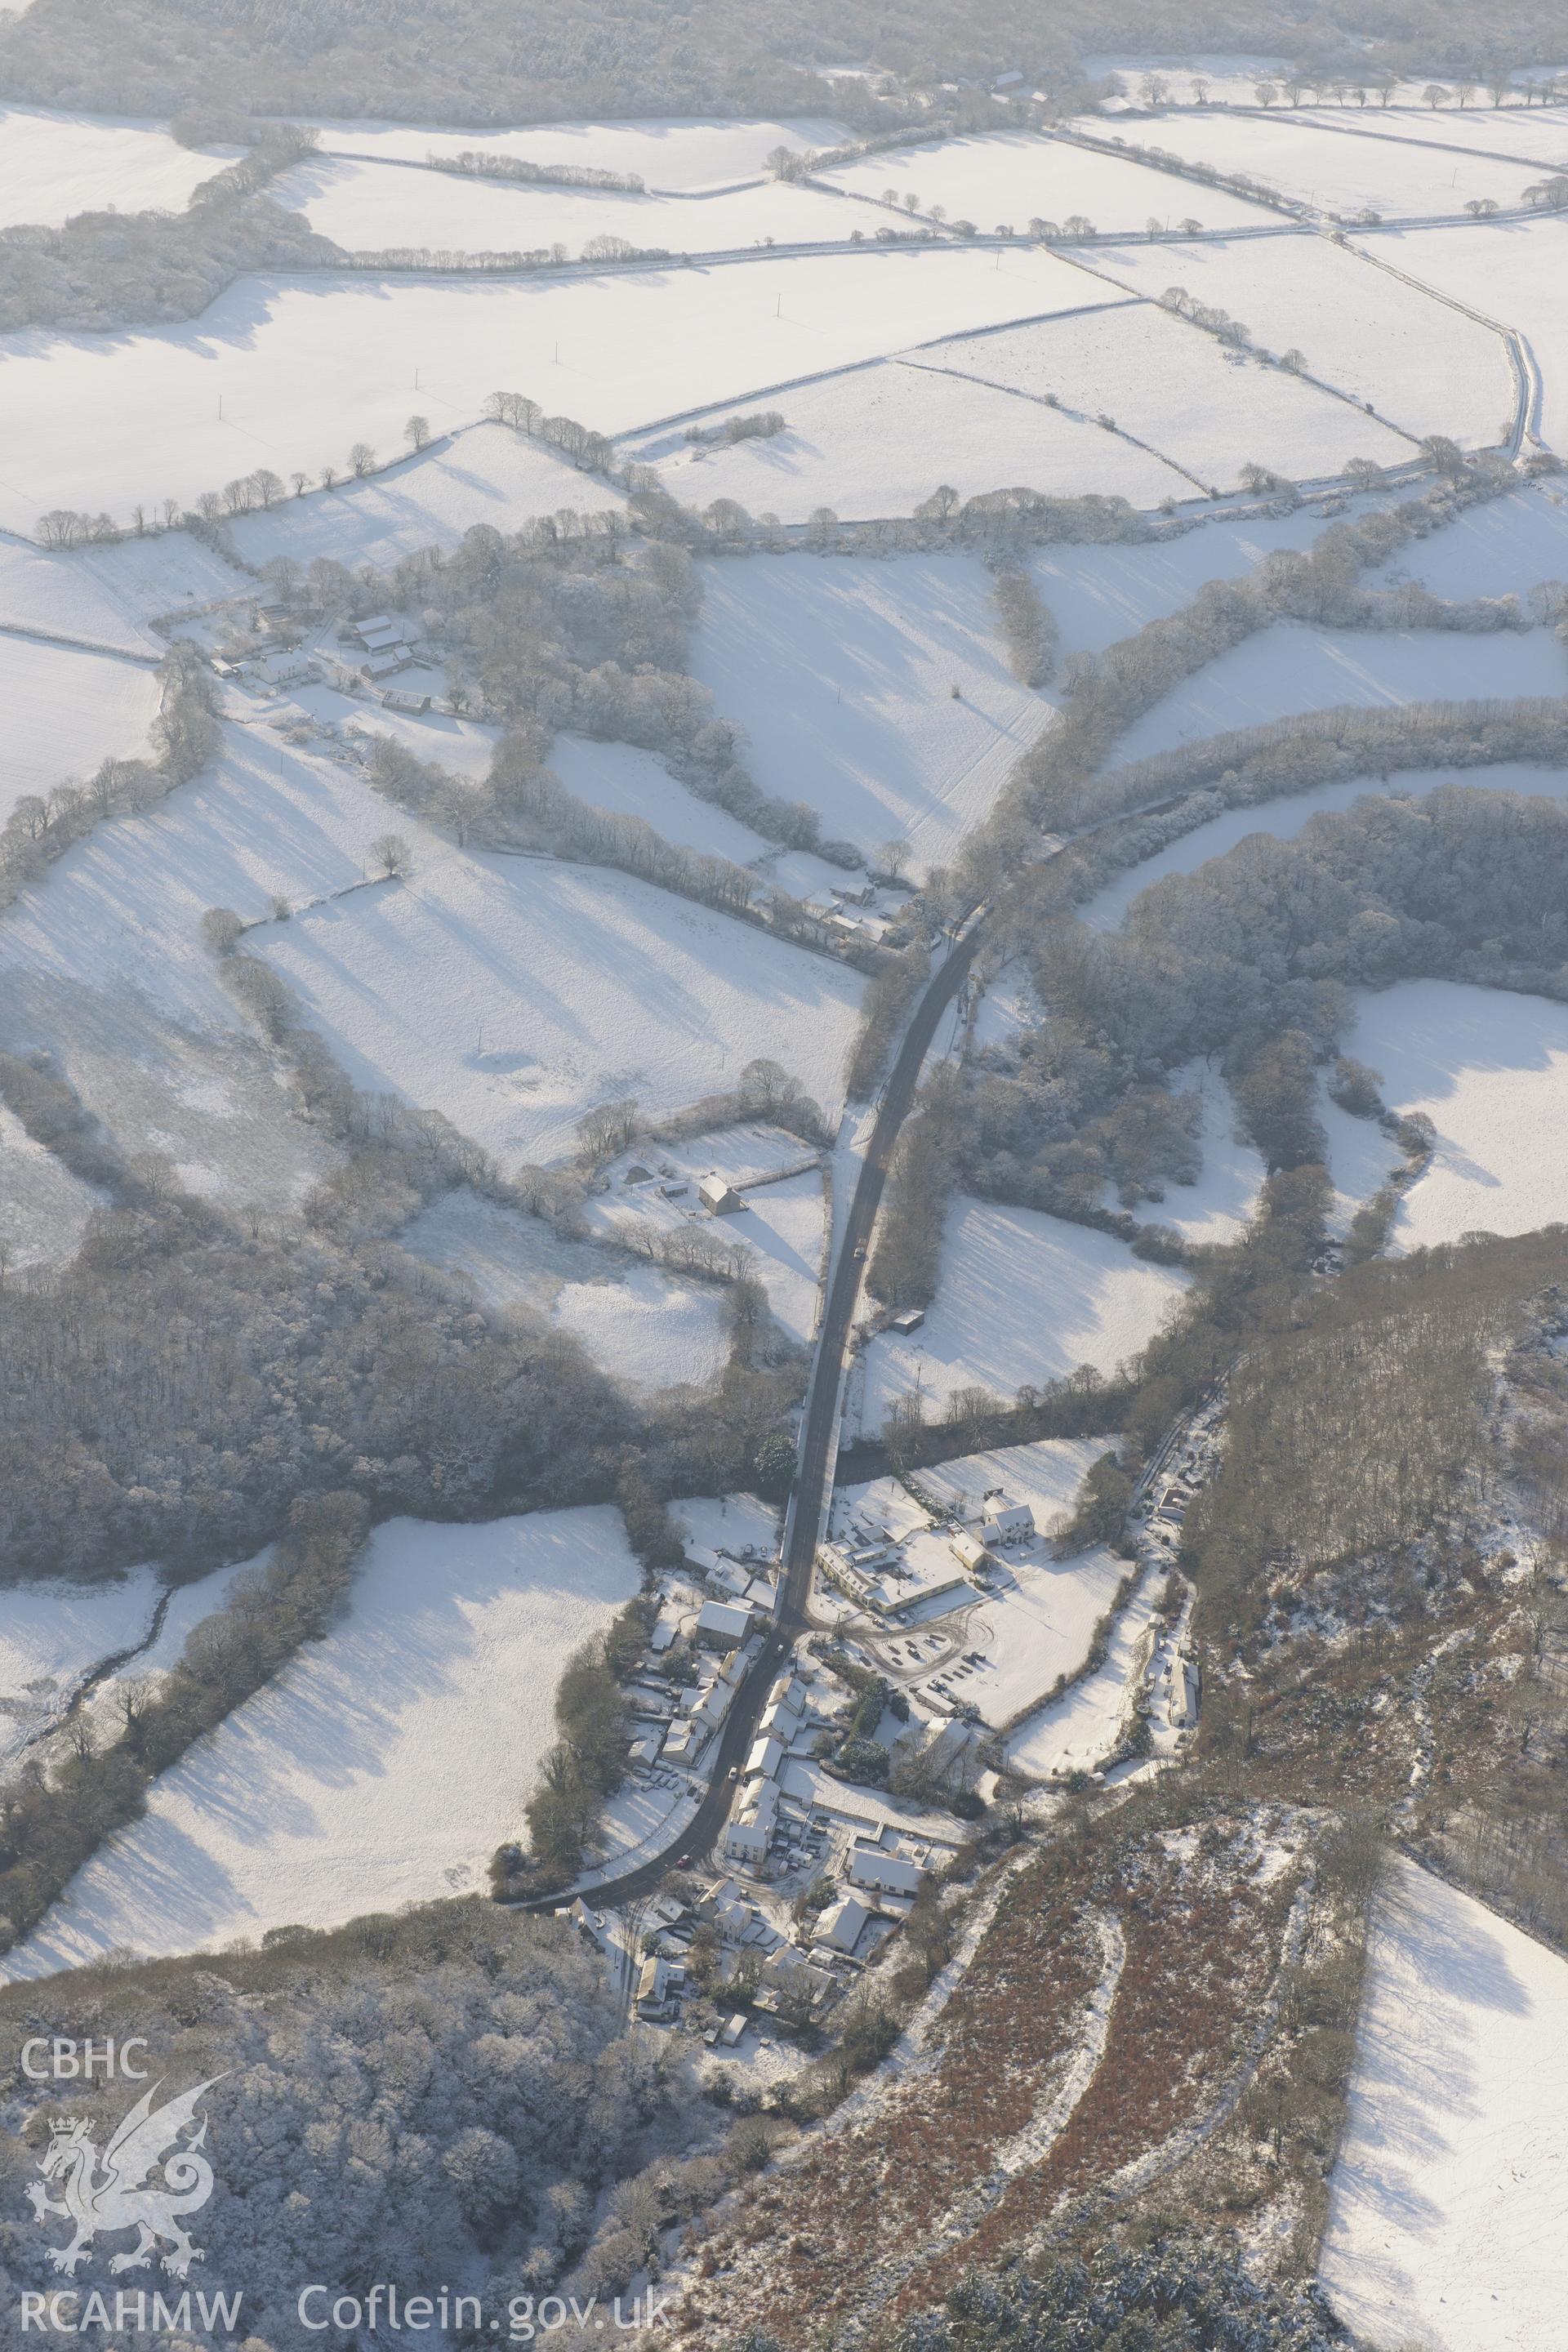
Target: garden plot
875, 441
1289, 668
742, 1525
381, 1767
1285, 818
1445, 2204
1045, 1474
1491, 1071
1171, 385
307, 366
644, 1327
517, 994
629, 782
375, 207
486, 473
1023, 1298
1504, 547
52, 165
1009, 178
676, 152
52, 1635
842, 675
66, 713
102, 963
1425, 368
44, 1208
1340, 174
1511, 271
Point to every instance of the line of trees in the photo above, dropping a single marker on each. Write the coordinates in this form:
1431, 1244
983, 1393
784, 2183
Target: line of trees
489, 163
43, 825
49, 1824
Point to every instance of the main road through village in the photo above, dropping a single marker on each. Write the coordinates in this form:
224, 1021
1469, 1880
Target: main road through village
818, 1445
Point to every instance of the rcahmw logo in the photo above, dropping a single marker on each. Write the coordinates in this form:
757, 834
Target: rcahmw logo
104, 2193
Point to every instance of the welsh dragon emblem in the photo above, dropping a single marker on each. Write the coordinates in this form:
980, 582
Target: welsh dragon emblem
114, 2191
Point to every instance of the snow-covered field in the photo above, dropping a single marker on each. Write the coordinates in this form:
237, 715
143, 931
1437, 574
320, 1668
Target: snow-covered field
464, 746
1009, 178
486, 474
384, 1764
372, 207
517, 994
1336, 171
783, 1223
51, 1635
188, 1606
1284, 819
43, 1207
102, 963
632, 783
66, 713
1424, 367
1513, 272
1023, 1298
876, 440
1045, 1474
1076, 1731
784, 1227
645, 1327
842, 675
1291, 668
1216, 1208
671, 152
1537, 138
52, 165
1446, 2201
1171, 385
1098, 594
1504, 547
1491, 1071
307, 366
60, 594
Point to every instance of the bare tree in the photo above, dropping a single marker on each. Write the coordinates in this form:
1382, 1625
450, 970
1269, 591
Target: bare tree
391, 853
361, 458
417, 432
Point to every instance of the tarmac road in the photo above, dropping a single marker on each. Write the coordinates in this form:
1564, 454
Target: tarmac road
818, 1450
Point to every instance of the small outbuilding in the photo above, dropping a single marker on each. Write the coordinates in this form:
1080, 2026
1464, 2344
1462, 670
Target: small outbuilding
841, 1926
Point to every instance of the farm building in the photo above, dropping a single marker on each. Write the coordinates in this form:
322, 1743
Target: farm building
719, 1198
969, 1551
